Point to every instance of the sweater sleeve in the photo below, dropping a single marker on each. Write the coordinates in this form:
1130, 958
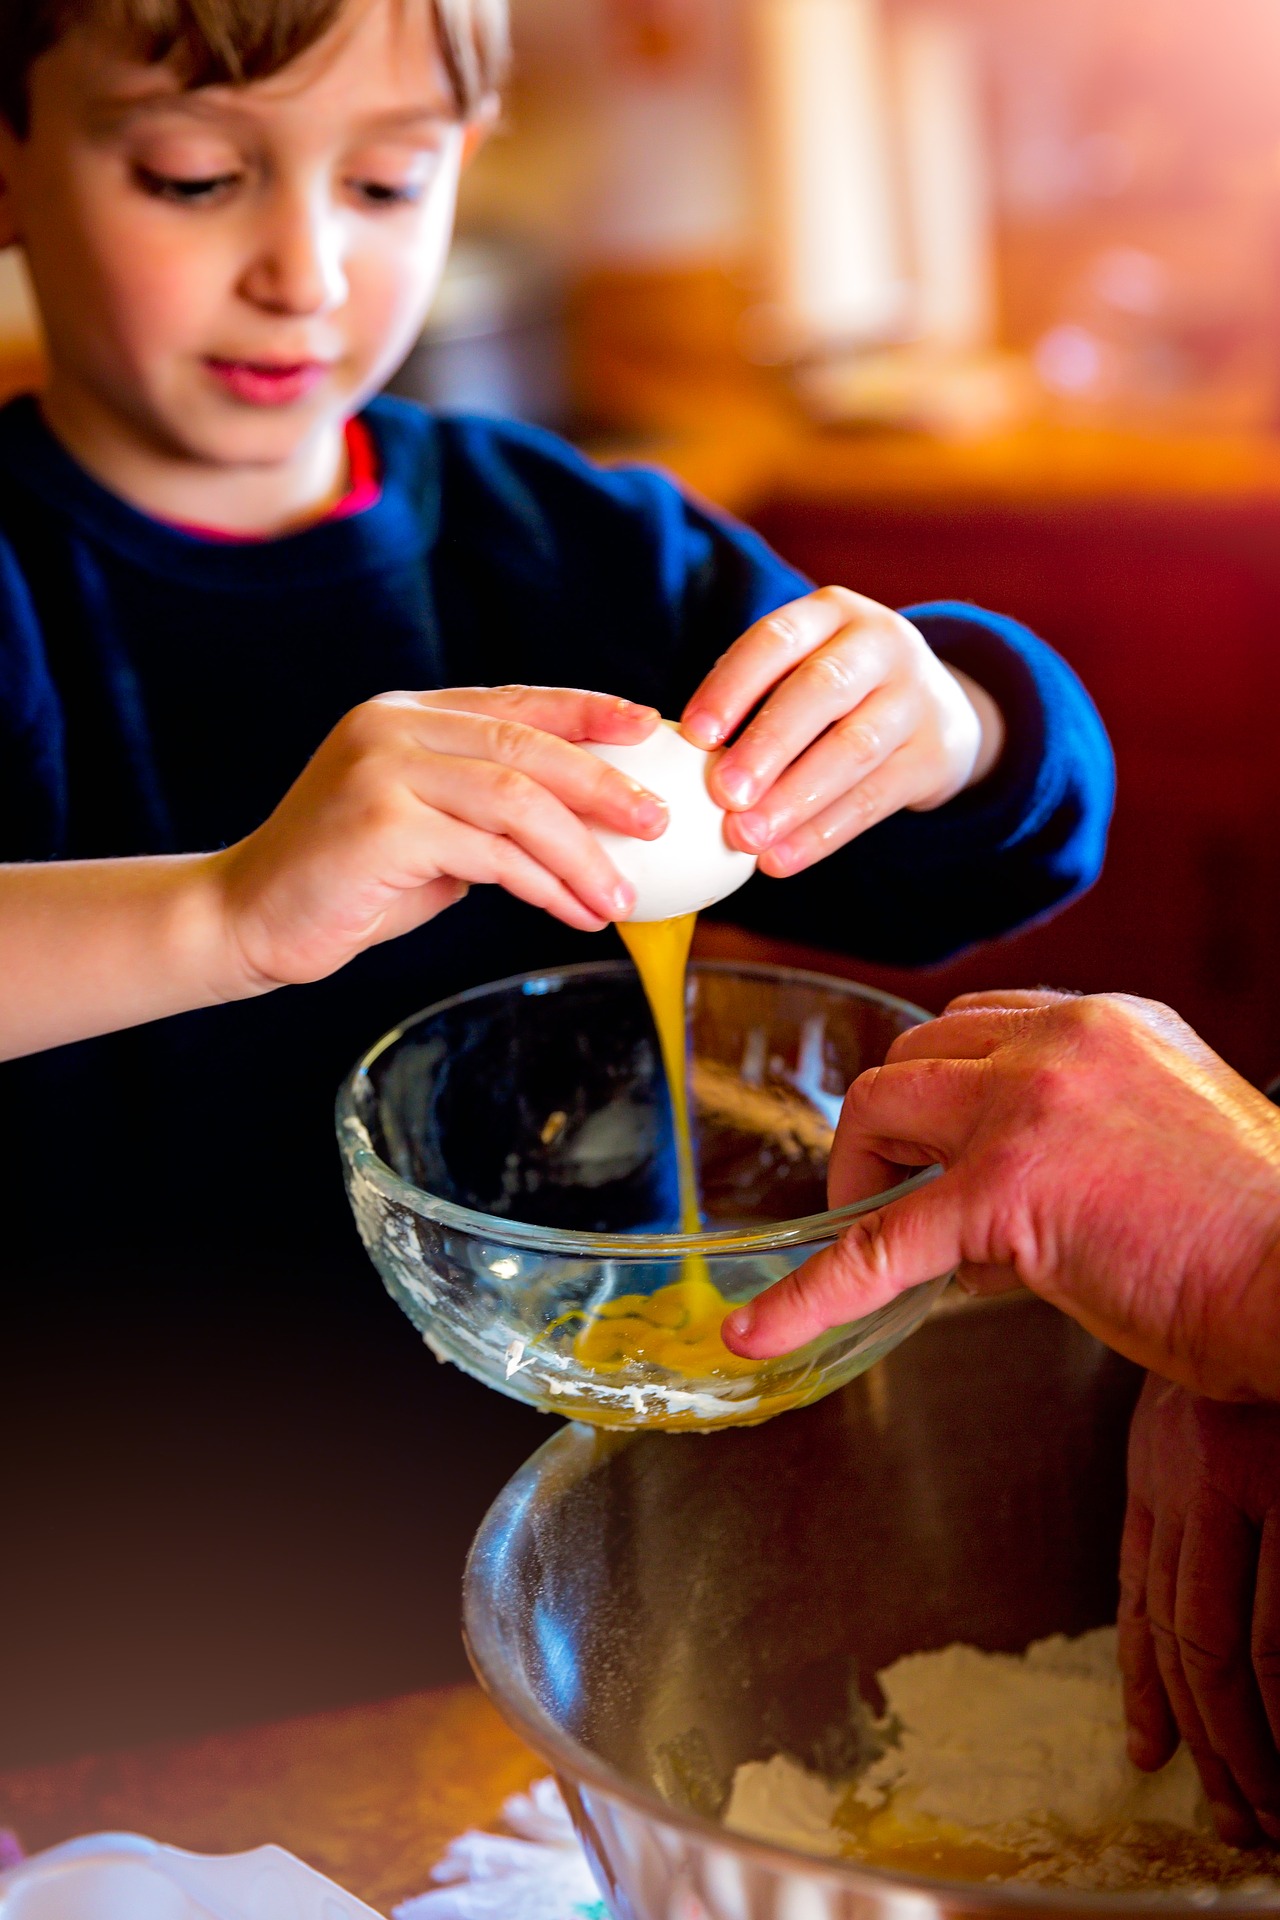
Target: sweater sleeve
617, 578
919, 887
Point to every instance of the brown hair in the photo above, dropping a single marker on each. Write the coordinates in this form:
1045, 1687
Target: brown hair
213, 42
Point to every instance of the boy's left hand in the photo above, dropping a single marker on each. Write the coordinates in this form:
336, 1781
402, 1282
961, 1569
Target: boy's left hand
860, 718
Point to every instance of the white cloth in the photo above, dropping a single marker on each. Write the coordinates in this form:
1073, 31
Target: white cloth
538, 1871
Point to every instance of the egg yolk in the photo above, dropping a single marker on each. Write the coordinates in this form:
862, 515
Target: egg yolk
677, 1326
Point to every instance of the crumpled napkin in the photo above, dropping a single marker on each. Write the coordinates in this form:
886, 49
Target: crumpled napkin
536, 1872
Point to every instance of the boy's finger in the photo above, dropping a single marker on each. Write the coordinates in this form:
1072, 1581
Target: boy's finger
883, 792
511, 805
759, 659
588, 785
880, 1256
827, 686
845, 754
489, 859
572, 713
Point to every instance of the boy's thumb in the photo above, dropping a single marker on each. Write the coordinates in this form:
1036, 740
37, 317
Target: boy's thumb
880, 1256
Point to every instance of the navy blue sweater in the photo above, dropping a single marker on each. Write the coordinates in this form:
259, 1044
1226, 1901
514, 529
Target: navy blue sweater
159, 692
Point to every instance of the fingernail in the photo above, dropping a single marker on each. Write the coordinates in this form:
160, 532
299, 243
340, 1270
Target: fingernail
703, 727
1230, 1825
649, 812
622, 899
784, 856
740, 1322
738, 787
755, 831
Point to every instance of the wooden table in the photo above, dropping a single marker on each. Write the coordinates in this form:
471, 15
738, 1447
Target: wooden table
369, 1795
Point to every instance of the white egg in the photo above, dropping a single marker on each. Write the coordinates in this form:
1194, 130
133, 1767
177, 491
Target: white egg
690, 865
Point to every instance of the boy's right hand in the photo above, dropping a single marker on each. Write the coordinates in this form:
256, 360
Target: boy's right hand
412, 797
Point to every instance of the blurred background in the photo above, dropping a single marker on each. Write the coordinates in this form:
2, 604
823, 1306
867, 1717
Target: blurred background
974, 298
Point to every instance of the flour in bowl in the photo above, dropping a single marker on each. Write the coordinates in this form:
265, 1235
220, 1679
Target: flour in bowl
999, 1766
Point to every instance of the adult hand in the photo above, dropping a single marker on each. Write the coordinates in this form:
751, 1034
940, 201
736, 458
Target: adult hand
1094, 1150
859, 718
1200, 1599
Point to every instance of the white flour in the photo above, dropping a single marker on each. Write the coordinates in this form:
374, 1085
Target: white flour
1007, 1766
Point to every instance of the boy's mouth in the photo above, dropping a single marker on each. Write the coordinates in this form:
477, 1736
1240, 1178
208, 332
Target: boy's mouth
264, 383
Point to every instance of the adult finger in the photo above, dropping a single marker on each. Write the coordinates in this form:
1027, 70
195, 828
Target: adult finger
908, 1114
1232, 1815
573, 713
1153, 1731
967, 1033
589, 786
987, 1281
761, 657
509, 804
880, 1256
1012, 999
1265, 1631
881, 793
1217, 1574
845, 754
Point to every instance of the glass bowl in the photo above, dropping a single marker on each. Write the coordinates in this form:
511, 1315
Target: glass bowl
510, 1162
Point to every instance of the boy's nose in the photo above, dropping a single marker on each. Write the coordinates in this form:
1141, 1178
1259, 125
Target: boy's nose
299, 267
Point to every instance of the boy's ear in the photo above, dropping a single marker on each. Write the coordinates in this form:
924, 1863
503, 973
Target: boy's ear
480, 125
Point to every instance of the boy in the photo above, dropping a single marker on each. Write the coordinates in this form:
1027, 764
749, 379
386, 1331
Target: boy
212, 548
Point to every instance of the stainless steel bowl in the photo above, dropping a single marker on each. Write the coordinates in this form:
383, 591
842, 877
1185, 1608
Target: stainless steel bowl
649, 1611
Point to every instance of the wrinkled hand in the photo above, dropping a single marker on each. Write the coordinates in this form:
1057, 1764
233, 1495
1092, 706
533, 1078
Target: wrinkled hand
1200, 1599
861, 718
412, 797
1096, 1151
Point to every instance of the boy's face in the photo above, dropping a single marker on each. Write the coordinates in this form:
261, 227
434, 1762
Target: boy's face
226, 274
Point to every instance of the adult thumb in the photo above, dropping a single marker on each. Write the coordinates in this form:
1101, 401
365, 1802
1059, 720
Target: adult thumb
879, 1256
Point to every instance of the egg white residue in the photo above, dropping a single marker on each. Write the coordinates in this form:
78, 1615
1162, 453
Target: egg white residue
690, 865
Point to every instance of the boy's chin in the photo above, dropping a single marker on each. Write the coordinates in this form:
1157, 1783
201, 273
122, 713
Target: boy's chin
247, 436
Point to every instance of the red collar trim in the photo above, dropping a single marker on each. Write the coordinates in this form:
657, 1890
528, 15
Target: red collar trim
364, 490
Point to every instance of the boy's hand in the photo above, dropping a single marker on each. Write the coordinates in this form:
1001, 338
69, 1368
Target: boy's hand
412, 797
1200, 1599
861, 718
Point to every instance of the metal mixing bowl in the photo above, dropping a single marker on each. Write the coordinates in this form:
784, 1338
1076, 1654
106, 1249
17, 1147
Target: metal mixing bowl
649, 1611
510, 1163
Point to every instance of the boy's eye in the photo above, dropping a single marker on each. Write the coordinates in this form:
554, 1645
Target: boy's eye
185, 190
382, 193
392, 177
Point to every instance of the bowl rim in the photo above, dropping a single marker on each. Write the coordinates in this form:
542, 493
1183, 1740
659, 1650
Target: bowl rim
364, 1160
573, 1450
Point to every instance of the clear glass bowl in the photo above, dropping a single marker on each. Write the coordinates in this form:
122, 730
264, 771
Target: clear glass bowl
509, 1160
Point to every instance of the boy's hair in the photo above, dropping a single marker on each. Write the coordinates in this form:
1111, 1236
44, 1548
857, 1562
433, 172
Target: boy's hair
213, 42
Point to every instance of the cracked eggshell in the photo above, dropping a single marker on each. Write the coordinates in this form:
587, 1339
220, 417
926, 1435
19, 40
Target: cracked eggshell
690, 865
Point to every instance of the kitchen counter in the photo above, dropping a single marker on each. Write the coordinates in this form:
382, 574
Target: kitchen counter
369, 1795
